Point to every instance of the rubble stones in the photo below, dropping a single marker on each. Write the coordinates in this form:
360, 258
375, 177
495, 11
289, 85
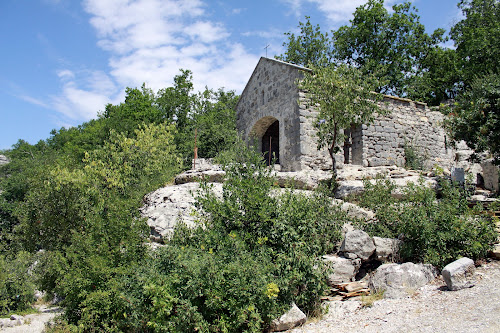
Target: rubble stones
344, 270
386, 248
459, 274
401, 280
293, 318
357, 243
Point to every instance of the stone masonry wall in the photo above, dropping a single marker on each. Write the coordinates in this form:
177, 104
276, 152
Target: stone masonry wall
383, 142
271, 94
409, 123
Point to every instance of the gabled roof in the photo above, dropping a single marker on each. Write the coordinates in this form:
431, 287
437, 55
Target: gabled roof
262, 60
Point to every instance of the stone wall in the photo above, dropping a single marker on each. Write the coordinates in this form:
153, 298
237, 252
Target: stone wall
270, 95
408, 124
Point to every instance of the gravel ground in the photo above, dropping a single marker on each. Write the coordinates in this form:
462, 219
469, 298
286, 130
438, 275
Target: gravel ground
430, 309
35, 323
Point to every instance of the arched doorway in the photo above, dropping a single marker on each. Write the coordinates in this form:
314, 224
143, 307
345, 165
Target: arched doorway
271, 143
266, 131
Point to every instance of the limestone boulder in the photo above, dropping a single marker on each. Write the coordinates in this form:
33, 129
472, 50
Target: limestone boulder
203, 170
357, 244
386, 249
459, 274
169, 205
293, 318
401, 280
490, 176
3, 160
344, 270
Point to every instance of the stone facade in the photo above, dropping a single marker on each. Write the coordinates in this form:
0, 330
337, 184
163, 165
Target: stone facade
272, 95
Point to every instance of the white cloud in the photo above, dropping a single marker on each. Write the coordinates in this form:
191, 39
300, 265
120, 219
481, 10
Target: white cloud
84, 94
148, 41
337, 11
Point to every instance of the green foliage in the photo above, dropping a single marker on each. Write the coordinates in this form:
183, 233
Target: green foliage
16, 283
413, 158
391, 45
433, 230
477, 39
215, 121
345, 98
476, 117
254, 253
310, 48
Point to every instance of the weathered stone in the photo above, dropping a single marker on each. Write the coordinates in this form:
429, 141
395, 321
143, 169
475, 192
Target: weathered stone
293, 318
401, 280
358, 243
3, 160
339, 309
490, 176
166, 206
386, 248
344, 270
459, 274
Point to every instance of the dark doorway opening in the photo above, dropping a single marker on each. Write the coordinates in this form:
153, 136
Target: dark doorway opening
271, 143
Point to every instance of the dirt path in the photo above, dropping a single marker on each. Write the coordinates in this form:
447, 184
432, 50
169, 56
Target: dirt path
35, 323
431, 309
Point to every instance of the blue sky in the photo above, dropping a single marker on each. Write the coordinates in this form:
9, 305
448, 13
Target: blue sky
62, 61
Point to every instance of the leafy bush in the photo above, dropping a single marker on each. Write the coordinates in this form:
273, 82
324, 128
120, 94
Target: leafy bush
16, 285
413, 158
433, 230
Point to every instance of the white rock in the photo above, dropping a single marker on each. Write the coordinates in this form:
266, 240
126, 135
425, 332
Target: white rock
358, 243
344, 270
401, 280
386, 248
293, 318
165, 207
459, 274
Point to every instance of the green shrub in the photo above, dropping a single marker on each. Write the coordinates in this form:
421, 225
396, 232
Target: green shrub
16, 285
413, 158
433, 230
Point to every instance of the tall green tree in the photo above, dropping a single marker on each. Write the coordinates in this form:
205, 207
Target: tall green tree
310, 47
393, 46
345, 98
477, 39
476, 116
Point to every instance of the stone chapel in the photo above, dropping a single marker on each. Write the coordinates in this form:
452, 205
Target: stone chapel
272, 113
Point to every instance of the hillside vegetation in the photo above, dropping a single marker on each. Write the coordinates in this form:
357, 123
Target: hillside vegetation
69, 205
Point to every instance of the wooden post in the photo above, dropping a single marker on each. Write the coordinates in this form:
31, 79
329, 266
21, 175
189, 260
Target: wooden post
195, 148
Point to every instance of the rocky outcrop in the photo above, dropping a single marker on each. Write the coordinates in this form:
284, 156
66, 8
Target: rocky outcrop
401, 280
3, 160
165, 207
357, 244
459, 274
343, 269
293, 318
386, 249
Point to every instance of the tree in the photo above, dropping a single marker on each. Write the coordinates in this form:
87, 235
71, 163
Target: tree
392, 46
345, 98
477, 39
215, 121
310, 47
476, 117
